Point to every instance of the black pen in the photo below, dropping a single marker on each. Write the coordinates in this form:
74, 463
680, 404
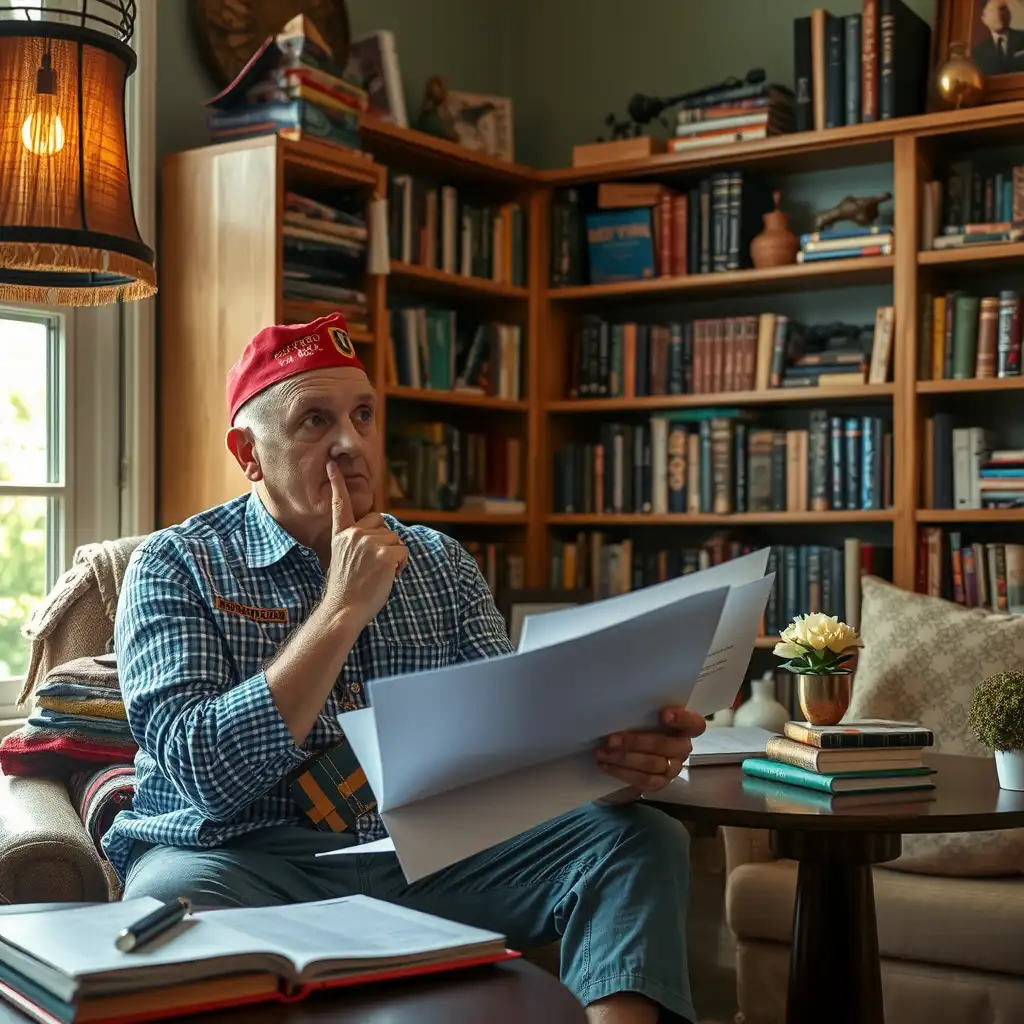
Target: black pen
154, 924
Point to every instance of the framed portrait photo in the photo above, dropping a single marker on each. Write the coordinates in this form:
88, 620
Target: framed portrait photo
993, 33
515, 605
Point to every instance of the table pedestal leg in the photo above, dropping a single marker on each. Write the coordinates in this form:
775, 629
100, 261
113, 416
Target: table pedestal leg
835, 973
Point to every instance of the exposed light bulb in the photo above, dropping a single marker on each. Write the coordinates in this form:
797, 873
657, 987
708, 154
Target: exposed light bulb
43, 133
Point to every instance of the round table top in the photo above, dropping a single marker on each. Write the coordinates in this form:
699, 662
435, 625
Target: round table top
966, 798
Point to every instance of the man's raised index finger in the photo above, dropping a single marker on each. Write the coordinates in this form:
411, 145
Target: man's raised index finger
341, 503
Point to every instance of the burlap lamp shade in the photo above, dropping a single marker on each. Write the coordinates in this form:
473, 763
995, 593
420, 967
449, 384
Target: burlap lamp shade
68, 234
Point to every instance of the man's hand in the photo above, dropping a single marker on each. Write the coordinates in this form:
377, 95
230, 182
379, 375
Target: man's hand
366, 556
649, 761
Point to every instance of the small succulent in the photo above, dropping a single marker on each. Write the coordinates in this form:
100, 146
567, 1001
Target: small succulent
997, 711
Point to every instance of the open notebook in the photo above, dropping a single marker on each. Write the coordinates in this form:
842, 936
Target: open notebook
62, 965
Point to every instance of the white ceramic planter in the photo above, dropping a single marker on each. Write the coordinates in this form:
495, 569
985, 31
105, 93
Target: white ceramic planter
1010, 769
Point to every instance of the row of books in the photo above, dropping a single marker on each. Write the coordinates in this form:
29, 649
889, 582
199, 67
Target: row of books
867, 66
962, 470
757, 112
965, 336
291, 87
436, 226
439, 466
974, 574
706, 462
844, 243
972, 198
721, 355
807, 577
430, 348
503, 568
325, 254
849, 765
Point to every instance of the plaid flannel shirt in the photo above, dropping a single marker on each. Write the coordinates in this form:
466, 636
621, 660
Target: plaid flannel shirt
203, 608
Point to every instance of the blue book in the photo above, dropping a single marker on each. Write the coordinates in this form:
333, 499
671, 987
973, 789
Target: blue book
620, 245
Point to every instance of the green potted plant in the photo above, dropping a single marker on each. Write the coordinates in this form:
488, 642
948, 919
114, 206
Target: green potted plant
818, 649
997, 718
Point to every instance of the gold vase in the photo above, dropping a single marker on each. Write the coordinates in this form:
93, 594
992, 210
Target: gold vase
824, 699
958, 80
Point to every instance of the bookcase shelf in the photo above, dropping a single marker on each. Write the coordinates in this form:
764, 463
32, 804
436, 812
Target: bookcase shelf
972, 254
776, 396
441, 282
882, 515
245, 295
463, 398
971, 385
795, 277
970, 515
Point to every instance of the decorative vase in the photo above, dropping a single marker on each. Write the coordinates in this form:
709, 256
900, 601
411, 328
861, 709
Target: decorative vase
824, 699
958, 80
721, 719
1010, 769
776, 245
762, 709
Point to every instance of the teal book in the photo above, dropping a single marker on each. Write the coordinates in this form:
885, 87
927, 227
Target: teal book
845, 782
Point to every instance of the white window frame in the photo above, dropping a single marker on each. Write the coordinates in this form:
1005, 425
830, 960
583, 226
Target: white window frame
110, 356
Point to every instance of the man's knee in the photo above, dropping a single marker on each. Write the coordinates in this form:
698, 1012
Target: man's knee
209, 878
641, 826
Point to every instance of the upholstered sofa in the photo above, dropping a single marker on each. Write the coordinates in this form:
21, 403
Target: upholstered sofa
951, 909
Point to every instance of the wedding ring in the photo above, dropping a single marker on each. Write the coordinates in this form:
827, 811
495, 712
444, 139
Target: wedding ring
668, 767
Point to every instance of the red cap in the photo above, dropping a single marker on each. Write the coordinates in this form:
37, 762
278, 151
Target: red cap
279, 352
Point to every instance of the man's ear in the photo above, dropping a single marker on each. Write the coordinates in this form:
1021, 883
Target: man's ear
242, 446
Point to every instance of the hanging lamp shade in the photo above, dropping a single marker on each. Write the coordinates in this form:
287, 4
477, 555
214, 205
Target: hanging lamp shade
68, 234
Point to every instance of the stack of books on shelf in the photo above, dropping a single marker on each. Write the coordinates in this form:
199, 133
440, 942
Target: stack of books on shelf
290, 87
435, 225
722, 355
713, 122
844, 243
502, 568
962, 470
807, 576
665, 232
325, 258
439, 466
431, 348
851, 764
974, 574
964, 336
868, 66
715, 461
973, 205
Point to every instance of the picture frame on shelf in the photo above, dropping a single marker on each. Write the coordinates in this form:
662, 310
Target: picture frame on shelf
976, 24
515, 605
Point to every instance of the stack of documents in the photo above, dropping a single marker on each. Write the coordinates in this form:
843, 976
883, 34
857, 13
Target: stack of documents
464, 757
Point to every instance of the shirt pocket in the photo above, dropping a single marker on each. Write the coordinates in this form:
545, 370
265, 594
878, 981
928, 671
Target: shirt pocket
403, 656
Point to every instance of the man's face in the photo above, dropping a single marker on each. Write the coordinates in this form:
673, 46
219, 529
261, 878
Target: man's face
996, 15
312, 418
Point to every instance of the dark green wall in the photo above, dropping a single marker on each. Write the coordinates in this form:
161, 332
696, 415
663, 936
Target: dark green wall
565, 63
463, 39
574, 61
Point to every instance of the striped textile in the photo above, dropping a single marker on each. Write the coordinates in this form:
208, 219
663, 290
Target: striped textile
332, 791
98, 796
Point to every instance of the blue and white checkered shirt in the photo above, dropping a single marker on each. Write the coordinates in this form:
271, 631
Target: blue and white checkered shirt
191, 650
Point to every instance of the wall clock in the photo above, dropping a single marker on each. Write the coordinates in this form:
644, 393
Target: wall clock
231, 31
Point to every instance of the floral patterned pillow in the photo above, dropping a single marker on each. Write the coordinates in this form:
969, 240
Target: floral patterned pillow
921, 660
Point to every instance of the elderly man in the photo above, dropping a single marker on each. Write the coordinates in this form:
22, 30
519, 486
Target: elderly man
243, 632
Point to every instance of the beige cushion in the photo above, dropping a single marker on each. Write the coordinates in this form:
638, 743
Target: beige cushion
973, 923
921, 661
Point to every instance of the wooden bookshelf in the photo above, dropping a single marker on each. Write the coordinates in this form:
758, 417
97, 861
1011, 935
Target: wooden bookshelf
212, 306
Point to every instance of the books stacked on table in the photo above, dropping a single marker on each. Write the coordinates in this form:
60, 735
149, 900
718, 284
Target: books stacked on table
864, 762
843, 243
325, 258
290, 87
733, 115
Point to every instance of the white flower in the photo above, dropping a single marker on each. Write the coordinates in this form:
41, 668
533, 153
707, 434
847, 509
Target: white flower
785, 649
818, 632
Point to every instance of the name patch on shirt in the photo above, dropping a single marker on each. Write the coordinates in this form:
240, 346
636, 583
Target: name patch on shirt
251, 611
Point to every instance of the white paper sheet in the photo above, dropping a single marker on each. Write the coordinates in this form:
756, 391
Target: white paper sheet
728, 745
470, 755
568, 623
